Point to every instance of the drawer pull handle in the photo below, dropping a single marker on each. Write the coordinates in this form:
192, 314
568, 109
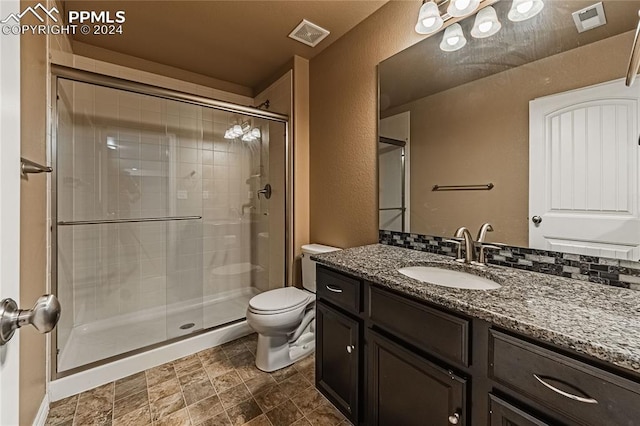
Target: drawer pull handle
566, 394
333, 289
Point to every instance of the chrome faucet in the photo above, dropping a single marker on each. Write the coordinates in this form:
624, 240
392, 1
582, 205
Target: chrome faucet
469, 244
482, 232
463, 235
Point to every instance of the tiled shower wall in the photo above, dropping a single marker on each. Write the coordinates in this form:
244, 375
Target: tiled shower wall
122, 155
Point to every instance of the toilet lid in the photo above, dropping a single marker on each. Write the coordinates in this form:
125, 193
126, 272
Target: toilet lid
279, 299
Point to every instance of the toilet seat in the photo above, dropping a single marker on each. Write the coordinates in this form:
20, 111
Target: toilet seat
279, 301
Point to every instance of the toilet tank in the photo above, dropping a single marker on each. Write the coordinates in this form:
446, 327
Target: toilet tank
309, 266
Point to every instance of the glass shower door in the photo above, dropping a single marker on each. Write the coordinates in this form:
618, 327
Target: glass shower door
162, 225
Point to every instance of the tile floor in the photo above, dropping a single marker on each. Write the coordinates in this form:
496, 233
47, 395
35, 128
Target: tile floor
218, 386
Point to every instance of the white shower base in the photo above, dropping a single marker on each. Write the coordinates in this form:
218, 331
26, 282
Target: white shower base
103, 339
106, 373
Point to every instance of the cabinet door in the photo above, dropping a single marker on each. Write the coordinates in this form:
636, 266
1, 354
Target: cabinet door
504, 414
406, 389
337, 356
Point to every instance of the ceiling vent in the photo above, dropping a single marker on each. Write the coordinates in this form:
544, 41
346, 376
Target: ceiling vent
308, 33
589, 17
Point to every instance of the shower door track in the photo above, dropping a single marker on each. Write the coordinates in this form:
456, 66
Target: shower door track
81, 76
138, 220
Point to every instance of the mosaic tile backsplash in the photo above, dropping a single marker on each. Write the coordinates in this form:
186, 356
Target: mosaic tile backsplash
618, 273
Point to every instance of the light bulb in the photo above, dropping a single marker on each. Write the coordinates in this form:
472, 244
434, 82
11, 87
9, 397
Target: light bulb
522, 10
486, 23
524, 7
428, 22
255, 132
237, 130
429, 19
462, 4
453, 38
452, 41
485, 26
460, 8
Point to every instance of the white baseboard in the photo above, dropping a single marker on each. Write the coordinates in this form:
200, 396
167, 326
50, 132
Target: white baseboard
89, 379
43, 412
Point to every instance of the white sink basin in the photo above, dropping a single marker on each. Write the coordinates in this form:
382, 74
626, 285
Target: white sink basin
448, 278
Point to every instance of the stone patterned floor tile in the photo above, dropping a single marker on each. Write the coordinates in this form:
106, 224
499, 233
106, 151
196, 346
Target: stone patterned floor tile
284, 414
219, 386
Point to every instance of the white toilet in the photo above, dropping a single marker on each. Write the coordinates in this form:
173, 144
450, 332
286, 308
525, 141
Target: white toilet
284, 318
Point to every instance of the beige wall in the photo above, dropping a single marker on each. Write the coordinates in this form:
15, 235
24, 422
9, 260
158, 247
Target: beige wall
33, 215
128, 61
343, 120
491, 142
300, 146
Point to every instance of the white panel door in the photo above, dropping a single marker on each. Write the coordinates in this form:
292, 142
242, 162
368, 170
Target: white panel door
583, 171
9, 208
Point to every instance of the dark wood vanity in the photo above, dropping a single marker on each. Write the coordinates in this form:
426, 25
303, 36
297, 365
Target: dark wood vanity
385, 358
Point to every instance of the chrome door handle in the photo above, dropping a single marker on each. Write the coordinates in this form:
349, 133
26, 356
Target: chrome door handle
350, 348
454, 419
44, 316
266, 191
566, 394
333, 289
28, 166
537, 220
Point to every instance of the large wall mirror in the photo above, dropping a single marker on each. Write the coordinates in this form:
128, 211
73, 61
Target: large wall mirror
532, 130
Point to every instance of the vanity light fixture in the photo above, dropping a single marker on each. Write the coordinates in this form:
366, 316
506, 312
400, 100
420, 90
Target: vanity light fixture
521, 10
453, 38
429, 19
486, 23
242, 131
460, 8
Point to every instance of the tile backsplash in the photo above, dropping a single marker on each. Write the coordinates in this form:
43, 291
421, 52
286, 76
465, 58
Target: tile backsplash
615, 272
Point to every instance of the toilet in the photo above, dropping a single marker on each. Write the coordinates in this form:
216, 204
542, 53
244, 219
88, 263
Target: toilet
284, 318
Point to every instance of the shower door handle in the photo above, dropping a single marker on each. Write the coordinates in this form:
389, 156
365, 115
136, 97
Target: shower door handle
43, 316
266, 191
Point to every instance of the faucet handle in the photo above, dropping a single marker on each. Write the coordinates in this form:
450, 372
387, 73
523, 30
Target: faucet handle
483, 255
458, 244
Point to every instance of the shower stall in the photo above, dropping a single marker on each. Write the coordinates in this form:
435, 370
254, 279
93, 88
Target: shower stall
169, 214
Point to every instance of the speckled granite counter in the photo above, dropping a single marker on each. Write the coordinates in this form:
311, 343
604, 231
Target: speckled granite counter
593, 319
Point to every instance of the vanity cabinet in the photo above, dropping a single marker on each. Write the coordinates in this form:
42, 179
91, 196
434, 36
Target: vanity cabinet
504, 414
406, 389
339, 341
385, 358
571, 388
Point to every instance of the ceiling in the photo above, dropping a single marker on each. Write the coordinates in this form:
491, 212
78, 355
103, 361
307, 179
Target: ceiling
243, 42
423, 69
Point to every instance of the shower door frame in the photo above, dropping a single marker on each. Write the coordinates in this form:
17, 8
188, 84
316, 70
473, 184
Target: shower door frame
81, 76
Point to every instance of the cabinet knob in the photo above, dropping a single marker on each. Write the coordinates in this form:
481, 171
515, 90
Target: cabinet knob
454, 419
350, 348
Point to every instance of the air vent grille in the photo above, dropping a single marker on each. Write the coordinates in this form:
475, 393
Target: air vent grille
589, 18
308, 33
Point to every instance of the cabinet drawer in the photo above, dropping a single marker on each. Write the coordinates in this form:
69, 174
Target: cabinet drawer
576, 390
340, 289
502, 413
420, 325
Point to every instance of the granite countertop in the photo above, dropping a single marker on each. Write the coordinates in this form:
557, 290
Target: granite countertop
593, 319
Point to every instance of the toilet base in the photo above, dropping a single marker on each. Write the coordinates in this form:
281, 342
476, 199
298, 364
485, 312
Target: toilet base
276, 352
